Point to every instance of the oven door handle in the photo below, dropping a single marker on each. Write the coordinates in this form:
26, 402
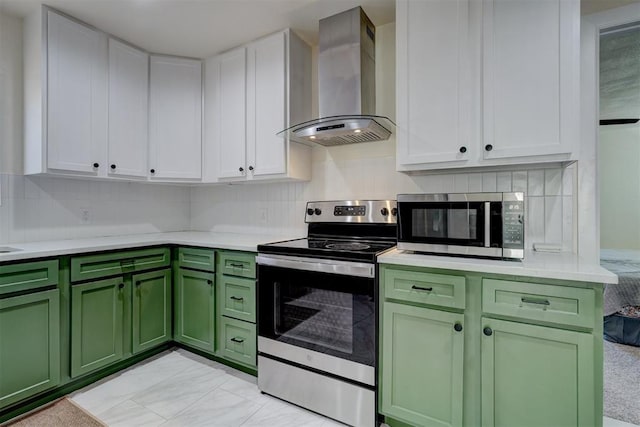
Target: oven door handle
346, 268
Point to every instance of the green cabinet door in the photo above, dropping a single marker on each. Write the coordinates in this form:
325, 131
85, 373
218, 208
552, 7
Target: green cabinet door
96, 324
422, 365
536, 376
151, 309
194, 314
29, 345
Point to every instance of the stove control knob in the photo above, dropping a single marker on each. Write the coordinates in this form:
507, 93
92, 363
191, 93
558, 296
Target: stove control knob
394, 211
309, 211
384, 211
317, 211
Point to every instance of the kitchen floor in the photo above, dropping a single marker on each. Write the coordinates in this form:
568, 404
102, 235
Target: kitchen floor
178, 388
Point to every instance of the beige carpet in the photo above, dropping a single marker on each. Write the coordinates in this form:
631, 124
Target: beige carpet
622, 382
62, 413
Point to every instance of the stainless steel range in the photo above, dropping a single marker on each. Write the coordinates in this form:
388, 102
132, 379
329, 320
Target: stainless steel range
317, 310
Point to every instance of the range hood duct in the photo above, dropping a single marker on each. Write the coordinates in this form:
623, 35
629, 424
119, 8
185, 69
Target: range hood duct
346, 85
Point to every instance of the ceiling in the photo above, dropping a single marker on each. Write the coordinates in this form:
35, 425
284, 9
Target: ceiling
588, 7
200, 28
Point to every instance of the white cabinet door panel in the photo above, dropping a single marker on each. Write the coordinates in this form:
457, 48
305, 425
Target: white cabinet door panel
232, 101
128, 110
529, 68
267, 97
433, 82
175, 121
77, 96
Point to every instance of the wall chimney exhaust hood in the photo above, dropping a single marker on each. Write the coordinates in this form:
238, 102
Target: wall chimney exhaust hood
346, 85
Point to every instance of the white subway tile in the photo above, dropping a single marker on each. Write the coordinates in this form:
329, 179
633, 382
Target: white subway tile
535, 185
489, 182
535, 218
568, 225
519, 181
461, 183
475, 182
503, 183
553, 182
569, 176
553, 220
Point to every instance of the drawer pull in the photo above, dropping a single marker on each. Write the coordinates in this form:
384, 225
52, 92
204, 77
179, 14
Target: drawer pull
419, 288
121, 286
238, 340
235, 298
535, 301
209, 282
236, 265
138, 283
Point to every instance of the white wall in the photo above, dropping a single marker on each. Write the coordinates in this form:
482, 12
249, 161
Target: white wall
367, 171
619, 168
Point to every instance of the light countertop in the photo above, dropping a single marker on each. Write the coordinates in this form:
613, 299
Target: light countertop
231, 241
562, 266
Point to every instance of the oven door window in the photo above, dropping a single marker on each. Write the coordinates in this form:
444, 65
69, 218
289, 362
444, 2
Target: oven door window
446, 223
328, 313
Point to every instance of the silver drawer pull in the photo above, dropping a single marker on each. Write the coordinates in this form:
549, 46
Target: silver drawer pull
420, 288
235, 298
535, 301
238, 340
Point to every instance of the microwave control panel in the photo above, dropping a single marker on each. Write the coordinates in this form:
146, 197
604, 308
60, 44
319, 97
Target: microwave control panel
513, 224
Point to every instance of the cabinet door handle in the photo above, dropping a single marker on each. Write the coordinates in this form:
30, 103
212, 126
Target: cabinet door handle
527, 300
457, 327
250, 168
463, 149
236, 265
238, 340
487, 331
138, 283
235, 298
152, 170
241, 169
113, 167
488, 147
209, 282
121, 286
96, 165
420, 288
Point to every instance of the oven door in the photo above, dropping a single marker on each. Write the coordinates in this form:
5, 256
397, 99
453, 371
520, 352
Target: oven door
318, 313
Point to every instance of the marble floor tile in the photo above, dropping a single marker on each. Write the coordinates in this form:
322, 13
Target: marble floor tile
245, 388
219, 408
282, 414
129, 413
167, 398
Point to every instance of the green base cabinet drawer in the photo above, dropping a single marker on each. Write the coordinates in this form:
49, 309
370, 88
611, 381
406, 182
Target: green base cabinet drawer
152, 299
197, 258
241, 264
536, 376
561, 305
29, 345
236, 297
422, 357
27, 276
116, 263
237, 340
426, 288
97, 310
195, 309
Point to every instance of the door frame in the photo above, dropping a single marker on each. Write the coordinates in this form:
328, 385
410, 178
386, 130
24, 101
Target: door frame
588, 186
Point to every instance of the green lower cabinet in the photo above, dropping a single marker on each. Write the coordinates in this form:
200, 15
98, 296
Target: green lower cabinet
29, 345
195, 309
236, 297
536, 376
97, 310
237, 341
151, 309
422, 365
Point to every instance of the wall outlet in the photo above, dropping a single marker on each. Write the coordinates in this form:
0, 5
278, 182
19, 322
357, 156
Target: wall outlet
85, 216
262, 215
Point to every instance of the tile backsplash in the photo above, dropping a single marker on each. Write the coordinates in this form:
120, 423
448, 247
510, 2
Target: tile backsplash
279, 207
43, 208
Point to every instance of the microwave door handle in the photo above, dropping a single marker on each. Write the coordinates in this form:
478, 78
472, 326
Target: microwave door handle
487, 224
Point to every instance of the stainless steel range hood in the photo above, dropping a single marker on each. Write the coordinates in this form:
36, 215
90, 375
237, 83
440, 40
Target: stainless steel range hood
346, 85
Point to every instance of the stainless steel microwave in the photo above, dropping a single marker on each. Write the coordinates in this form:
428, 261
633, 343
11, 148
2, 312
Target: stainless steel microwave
487, 225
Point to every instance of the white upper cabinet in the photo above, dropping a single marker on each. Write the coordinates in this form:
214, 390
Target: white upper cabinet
175, 118
252, 93
434, 88
128, 110
486, 83
531, 72
76, 114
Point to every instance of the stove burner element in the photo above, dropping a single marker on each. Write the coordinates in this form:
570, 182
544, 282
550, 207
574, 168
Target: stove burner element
348, 246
